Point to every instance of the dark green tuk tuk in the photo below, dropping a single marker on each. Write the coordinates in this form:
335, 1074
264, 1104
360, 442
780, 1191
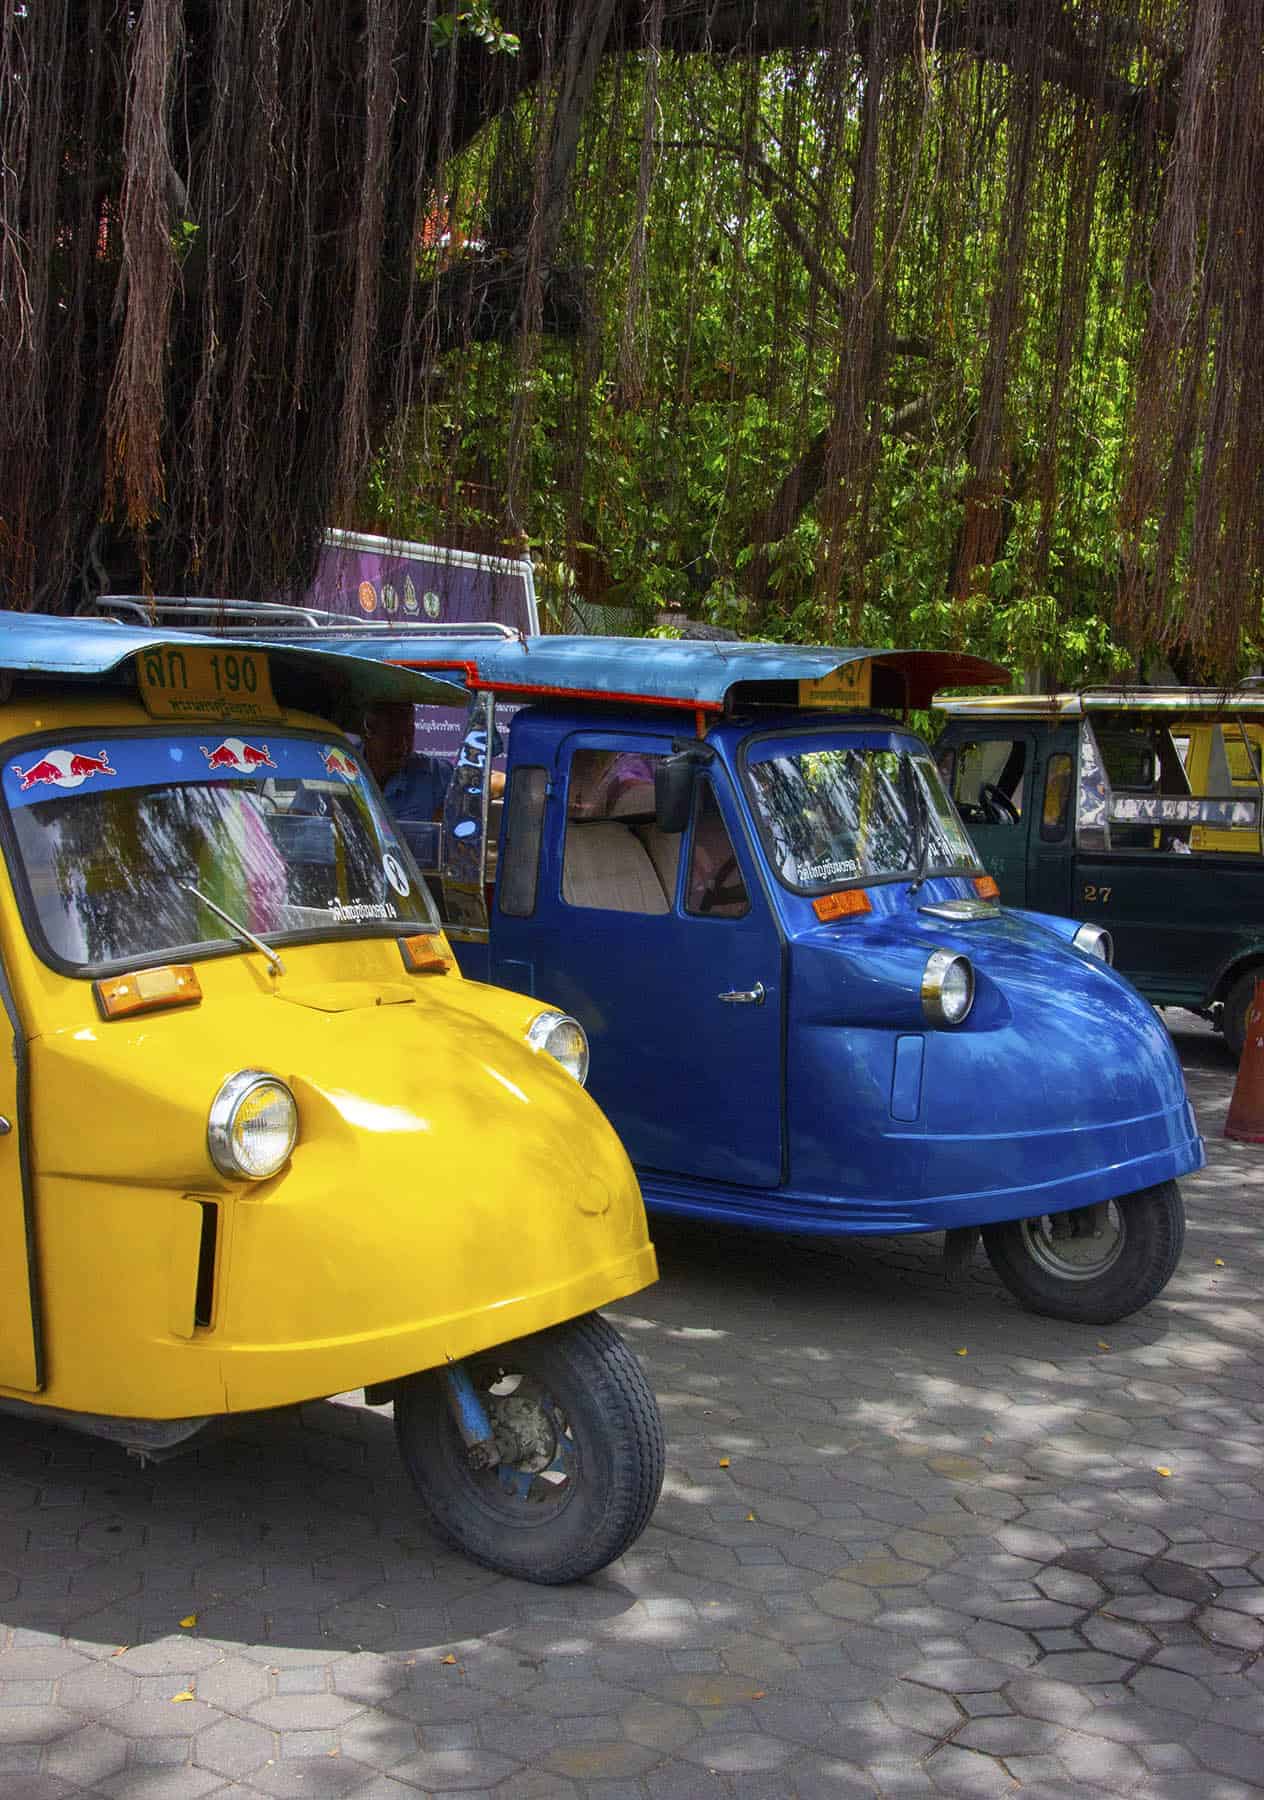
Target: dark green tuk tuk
1137, 809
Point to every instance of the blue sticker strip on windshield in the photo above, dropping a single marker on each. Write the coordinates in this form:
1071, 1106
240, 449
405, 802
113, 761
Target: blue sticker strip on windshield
150, 760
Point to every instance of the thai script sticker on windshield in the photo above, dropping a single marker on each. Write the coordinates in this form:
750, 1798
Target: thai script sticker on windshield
833, 868
357, 912
63, 768
394, 872
196, 683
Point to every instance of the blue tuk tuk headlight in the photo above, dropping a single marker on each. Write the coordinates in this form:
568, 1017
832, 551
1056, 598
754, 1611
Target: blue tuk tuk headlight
564, 1039
1095, 940
947, 987
252, 1126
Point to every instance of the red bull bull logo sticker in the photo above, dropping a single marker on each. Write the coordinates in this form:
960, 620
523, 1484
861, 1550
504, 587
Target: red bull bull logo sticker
339, 762
63, 768
236, 755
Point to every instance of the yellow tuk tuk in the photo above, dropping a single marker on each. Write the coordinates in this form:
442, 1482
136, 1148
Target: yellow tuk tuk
260, 1142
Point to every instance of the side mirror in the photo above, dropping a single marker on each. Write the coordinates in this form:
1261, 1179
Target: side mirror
673, 791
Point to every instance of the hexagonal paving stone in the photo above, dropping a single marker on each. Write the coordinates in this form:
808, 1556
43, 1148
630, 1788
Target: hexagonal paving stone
234, 1747
454, 1770
87, 1756
183, 1783
738, 1752
1085, 1668
174, 1655
304, 1712
326, 1777
886, 1571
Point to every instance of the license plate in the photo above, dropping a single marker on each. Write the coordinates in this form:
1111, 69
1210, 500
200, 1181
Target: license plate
192, 682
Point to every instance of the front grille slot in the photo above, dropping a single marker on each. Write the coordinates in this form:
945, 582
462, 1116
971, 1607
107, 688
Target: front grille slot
204, 1302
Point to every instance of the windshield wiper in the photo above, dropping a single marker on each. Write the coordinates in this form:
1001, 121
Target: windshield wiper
274, 961
922, 831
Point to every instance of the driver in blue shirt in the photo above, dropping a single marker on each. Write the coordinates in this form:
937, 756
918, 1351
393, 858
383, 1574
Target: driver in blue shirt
414, 784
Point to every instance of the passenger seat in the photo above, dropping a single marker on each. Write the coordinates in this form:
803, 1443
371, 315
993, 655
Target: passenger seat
606, 866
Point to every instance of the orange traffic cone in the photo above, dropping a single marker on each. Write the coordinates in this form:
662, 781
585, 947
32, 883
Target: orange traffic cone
1246, 1109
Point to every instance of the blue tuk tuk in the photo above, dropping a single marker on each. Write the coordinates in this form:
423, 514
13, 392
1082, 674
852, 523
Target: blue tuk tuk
807, 1009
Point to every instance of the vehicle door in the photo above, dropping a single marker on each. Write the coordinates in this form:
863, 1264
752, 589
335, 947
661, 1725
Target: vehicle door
20, 1358
663, 946
1150, 862
1051, 833
990, 772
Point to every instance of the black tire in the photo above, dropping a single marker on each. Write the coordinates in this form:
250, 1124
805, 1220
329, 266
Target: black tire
1095, 1265
576, 1390
1236, 1006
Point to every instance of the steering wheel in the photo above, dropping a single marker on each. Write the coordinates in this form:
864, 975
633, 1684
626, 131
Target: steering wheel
714, 893
1000, 808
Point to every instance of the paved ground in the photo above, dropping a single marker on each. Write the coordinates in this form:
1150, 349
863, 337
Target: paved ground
913, 1541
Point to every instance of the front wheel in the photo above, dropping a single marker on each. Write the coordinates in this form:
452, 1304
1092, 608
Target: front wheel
1094, 1265
580, 1444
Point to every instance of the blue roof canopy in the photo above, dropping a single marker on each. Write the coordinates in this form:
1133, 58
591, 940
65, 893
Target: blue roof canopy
682, 672
87, 649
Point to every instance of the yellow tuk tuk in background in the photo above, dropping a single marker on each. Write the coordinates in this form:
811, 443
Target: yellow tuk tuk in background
260, 1142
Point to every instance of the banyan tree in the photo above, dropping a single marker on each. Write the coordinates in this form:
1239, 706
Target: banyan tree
872, 315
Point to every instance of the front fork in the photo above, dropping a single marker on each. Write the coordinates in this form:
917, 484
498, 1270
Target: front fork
471, 1417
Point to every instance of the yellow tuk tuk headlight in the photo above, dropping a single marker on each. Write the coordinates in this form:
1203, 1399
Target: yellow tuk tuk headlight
252, 1126
1095, 940
564, 1039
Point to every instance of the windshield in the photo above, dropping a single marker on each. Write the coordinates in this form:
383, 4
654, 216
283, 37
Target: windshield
835, 813
285, 836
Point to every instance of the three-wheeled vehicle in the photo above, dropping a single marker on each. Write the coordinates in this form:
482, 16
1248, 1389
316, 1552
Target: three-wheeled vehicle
808, 1011
1138, 809
261, 1142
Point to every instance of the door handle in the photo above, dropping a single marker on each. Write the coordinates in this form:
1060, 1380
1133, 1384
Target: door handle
744, 996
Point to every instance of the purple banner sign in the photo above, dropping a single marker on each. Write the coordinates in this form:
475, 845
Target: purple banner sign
395, 583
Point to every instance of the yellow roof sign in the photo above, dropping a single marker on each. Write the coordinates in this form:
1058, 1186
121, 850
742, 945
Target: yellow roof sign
844, 687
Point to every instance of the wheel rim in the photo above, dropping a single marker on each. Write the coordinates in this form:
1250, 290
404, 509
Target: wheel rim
539, 1455
1076, 1246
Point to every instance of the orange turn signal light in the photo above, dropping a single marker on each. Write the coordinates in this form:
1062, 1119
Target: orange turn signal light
841, 906
425, 954
986, 888
147, 990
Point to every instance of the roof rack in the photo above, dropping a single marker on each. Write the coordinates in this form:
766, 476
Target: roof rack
271, 619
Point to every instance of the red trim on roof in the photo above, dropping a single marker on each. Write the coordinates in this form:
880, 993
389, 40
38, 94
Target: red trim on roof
468, 669
477, 685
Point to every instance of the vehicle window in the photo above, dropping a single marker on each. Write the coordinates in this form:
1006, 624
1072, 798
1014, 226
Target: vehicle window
988, 787
1242, 747
1057, 800
524, 836
831, 814
1129, 759
714, 887
1134, 793
606, 861
285, 835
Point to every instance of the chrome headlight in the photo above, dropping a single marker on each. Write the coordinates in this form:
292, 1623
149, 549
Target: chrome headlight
564, 1039
252, 1126
947, 987
1095, 940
